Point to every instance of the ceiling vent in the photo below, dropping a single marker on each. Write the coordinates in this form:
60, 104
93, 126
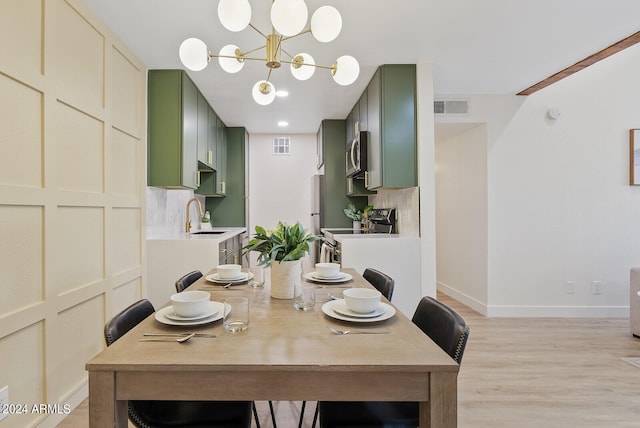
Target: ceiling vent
451, 106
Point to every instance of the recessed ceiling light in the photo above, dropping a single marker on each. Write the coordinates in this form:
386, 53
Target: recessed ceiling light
282, 93
283, 123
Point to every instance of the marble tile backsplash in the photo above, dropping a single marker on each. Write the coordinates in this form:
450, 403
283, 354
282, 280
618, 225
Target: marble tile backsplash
407, 205
166, 210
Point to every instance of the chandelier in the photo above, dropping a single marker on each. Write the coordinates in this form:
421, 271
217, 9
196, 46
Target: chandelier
288, 20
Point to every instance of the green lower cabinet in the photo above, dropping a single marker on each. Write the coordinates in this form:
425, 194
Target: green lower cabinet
172, 130
230, 211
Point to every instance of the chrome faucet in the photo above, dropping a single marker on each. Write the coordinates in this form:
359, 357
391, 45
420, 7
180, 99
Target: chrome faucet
188, 224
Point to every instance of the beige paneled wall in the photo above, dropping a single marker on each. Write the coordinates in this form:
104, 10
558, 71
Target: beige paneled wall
72, 198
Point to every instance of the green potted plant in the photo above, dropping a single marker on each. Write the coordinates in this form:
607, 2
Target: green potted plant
282, 248
356, 215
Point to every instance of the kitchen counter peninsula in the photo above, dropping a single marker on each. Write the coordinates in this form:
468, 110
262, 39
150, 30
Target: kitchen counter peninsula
171, 255
396, 255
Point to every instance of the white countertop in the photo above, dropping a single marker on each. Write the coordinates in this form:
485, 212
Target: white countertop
229, 232
339, 237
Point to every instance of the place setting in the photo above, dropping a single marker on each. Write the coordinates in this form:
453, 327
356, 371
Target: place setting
360, 305
328, 273
190, 308
230, 274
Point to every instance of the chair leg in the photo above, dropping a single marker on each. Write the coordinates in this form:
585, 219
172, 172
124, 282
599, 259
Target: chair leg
273, 415
315, 417
255, 414
304, 403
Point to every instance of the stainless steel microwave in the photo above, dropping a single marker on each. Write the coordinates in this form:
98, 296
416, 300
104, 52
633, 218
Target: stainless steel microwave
356, 156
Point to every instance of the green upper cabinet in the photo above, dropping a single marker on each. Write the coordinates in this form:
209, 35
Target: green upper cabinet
172, 130
221, 150
391, 122
212, 138
364, 113
230, 210
206, 141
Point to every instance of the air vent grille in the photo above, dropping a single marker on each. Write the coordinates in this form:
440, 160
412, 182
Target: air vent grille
451, 106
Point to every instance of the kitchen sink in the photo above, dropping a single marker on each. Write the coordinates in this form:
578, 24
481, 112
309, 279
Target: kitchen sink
209, 232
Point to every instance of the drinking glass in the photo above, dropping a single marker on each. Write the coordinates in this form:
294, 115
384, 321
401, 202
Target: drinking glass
236, 314
305, 298
258, 277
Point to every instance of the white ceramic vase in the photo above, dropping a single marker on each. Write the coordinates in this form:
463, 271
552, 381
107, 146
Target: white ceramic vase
285, 278
357, 225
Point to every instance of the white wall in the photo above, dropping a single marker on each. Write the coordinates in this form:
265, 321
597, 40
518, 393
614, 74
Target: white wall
461, 216
426, 177
560, 207
280, 186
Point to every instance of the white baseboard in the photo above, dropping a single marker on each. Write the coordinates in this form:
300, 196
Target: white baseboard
72, 399
558, 311
513, 311
465, 299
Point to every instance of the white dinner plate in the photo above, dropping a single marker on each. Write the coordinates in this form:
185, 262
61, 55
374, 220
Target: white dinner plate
209, 312
215, 308
313, 276
340, 307
215, 277
328, 309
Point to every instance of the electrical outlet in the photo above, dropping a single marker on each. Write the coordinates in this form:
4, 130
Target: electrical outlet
570, 287
4, 401
596, 287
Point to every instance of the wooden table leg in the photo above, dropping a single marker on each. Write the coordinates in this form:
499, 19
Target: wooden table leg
442, 408
104, 410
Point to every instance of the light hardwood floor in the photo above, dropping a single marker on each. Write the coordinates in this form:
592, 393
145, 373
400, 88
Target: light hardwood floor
524, 372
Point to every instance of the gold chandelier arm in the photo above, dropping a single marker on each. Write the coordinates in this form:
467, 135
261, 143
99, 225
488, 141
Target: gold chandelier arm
258, 31
328, 67
287, 54
238, 57
308, 30
252, 50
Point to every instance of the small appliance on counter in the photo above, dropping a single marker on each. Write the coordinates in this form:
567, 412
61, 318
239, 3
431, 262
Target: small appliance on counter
382, 220
379, 220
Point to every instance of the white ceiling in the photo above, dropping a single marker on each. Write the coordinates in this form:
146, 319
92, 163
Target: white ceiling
477, 47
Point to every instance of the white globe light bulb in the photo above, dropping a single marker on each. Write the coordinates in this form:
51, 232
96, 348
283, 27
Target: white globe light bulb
289, 16
263, 92
234, 15
347, 70
230, 65
194, 54
326, 24
298, 68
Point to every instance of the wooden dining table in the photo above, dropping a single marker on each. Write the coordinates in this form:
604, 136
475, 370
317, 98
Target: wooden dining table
285, 354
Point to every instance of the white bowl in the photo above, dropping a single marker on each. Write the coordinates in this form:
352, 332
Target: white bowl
190, 303
361, 300
229, 271
327, 270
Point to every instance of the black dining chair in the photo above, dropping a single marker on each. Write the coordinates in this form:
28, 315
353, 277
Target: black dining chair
447, 329
381, 281
165, 414
385, 285
188, 279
